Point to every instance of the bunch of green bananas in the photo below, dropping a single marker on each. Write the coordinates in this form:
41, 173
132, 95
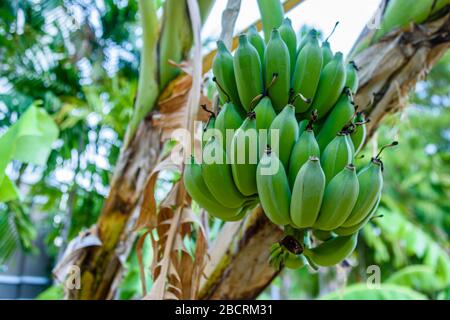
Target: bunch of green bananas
285, 137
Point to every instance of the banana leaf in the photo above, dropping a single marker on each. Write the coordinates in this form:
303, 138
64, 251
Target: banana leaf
419, 277
28, 140
384, 292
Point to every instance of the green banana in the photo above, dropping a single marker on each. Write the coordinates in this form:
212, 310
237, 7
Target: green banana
305, 147
352, 80
335, 122
272, 14
277, 71
199, 192
333, 251
273, 188
306, 38
285, 124
245, 156
264, 113
400, 13
350, 144
223, 71
331, 84
359, 134
228, 120
339, 199
248, 205
370, 186
346, 231
295, 261
218, 175
307, 71
307, 194
210, 125
290, 39
336, 156
370, 180
302, 124
248, 72
276, 256
327, 54
257, 41
322, 235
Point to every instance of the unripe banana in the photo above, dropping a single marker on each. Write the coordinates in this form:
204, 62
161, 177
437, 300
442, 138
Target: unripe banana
223, 70
341, 115
322, 235
327, 54
371, 183
318, 124
305, 39
257, 41
370, 186
307, 194
305, 147
346, 231
295, 261
287, 127
333, 251
272, 14
359, 134
336, 156
273, 188
277, 71
352, 80
401, 13
331, 84
264, 113
290, 39
248, 72
350, 144
210, 125
230, 119
199, 192
249, 204
245, 156
306, 75
302, 124
218, 176
339, 199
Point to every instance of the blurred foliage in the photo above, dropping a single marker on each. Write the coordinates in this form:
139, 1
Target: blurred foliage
70, 55
384, 292
55, 292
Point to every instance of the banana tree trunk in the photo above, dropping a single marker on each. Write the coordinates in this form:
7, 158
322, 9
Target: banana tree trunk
389, 70
100, 266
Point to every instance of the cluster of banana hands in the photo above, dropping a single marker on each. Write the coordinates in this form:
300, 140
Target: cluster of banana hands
285, 138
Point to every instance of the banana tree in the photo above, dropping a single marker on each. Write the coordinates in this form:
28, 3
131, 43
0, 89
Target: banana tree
392, 60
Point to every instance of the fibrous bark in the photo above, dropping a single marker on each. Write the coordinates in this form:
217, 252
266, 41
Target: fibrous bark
100, 264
